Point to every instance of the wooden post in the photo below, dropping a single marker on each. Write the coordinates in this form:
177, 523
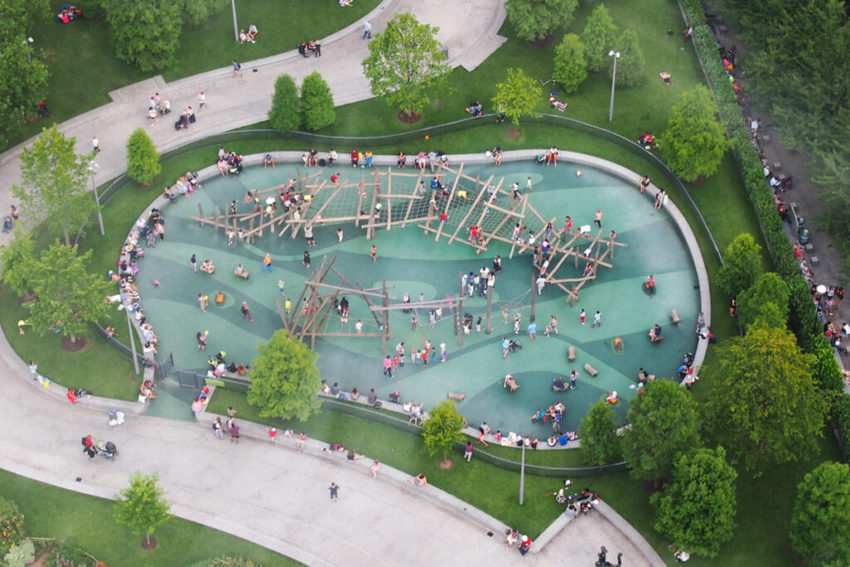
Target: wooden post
389, 196
458, 315
201, 214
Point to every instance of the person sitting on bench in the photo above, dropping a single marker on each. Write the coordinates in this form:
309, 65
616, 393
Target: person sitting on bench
558, 385
655, 333
208, 267
241, 272
510, 383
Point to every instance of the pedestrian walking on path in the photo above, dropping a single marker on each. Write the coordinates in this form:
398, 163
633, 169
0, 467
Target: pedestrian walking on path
374, 468
597, 320
367, 30
334, 490
193, 261
95, 144
234, 432
237, 68
467, 452
202, 100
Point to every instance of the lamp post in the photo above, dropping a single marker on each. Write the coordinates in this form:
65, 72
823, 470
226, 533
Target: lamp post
92, 169
615, 55
235, 25
29, 41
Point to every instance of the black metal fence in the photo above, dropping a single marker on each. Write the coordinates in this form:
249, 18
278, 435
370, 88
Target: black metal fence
392, 420
196, 380
161, 369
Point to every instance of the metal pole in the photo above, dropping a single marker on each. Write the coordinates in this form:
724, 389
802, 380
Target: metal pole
615, 55
489, 310
97, 202
235, 25
132, 342
522, 475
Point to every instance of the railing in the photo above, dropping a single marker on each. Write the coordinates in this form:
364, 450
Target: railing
385, 418
312, 139
161, 370
196, 380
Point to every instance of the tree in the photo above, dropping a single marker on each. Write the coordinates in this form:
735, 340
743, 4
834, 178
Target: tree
23, 81
766, 300
13, 525
17, 258
406, 64
600, 444
764, 406
142, 158
632, 64
285, 113
442, 429
317, 103
54, 181
145, 32
599, 37
570, 63
697, 510
142, 506
694, 142
664, 423
285, 379
821, 516
67, 291
741, 264
196, 12
536, 20
518, 95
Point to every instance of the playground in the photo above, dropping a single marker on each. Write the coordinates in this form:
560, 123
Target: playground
424, 257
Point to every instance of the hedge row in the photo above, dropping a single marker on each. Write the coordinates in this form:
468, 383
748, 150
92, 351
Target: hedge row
841, 422
804, 319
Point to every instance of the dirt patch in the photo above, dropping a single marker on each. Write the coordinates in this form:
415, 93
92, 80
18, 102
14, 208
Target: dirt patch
446, 464
27, 298
544, 42
514, 133
409, 118
149, 544
69, 346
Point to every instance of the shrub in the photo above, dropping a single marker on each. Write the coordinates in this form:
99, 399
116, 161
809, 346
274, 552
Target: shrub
285, 113
142, 158
570, 63
317, 103
11, 525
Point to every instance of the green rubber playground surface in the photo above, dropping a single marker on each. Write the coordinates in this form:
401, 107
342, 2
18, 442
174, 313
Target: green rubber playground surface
410, 261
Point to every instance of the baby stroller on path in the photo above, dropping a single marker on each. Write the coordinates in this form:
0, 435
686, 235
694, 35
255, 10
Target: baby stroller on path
8, 224
93, 447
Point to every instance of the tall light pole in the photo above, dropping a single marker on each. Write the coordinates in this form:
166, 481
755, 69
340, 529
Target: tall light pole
92, 169
29, 41
615, 55
235, 25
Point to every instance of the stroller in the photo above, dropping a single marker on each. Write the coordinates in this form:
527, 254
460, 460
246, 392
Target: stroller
8, 224
106, 449
514, 345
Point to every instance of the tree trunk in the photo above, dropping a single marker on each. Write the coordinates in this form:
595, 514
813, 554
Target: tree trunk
67, 235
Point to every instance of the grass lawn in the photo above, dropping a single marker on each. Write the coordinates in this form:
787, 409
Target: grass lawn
57, 513
83, 67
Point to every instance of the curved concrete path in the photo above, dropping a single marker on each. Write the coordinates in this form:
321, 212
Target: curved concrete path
468, 29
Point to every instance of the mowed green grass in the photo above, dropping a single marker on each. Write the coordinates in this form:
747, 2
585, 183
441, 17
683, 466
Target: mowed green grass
84, 69
53, 512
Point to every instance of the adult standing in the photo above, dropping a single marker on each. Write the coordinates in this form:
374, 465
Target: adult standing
246, 312
467, 452
306, 259
388, 366
334, 491
367, 30
597, 218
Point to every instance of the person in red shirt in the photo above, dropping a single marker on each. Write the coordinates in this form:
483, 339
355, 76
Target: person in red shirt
334, 178
355, 157
72, 396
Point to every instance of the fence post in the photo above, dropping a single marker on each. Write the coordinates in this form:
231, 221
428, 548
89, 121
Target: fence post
522, 476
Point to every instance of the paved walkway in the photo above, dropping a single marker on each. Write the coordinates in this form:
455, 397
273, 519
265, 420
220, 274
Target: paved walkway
468, 29
268, 494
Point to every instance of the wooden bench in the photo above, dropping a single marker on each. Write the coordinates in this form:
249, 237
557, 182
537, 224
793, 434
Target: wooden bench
571, 354
590, 370
675, 317
814, 260
457, 396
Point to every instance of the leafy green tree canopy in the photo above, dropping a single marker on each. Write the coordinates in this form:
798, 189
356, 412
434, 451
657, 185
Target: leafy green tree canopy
145, 33
196, 12
285, 379
600, 444
142, 506
765, 300
70, 296
17, 258
664, 423
764, 407
406, 64
317, 103
741, 264
23, 80
536, 20
570, 63
631, 66
694, 142
54, 183
821, 516
442, 429
142, 158
599, 37
518, 95
697, 509
285, 113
